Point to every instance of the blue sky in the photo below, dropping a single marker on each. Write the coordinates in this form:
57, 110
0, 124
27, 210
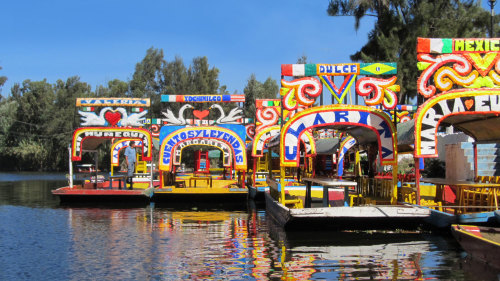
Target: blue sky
103, 40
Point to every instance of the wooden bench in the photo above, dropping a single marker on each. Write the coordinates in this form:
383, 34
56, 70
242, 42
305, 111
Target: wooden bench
120, 178
208, 179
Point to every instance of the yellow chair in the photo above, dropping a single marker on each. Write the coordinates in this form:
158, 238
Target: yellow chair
480, 179
141, 167
473, 198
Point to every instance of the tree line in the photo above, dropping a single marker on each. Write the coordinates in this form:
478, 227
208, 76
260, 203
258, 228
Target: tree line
37, 118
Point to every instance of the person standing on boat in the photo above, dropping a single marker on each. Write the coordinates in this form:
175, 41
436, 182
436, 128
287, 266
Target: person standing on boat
130, 155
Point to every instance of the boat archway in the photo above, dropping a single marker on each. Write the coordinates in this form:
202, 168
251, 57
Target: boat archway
475, 112
91, 137
225, 147
345, 145
169, 143
366, 124
116, 147
266, 134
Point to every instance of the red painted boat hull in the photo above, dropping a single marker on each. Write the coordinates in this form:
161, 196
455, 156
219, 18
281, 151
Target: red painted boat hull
479, 242
67, 194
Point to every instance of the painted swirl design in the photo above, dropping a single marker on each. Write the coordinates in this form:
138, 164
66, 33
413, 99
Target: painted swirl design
445, 77
267, 116
382, 91
494, 74
250, 129
461, 66
303, 91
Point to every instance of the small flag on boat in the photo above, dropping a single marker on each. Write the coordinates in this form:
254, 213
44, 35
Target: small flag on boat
435, 45
88, 108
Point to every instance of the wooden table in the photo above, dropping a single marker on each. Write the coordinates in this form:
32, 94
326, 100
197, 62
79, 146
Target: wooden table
327, 183
208, 179
120, 178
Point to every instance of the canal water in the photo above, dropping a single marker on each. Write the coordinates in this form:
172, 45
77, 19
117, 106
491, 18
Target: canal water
42, 240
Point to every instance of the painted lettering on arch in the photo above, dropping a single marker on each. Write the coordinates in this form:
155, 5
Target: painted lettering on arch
169, 143
436, 109
331, 115
139, 134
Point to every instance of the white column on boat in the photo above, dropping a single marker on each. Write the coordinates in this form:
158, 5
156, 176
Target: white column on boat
70, 168
151, 175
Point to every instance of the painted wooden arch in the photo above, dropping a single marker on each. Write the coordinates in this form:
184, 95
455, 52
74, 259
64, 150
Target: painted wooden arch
345, 145
266, 134
338, 115
91, 137
116, 147
208, 132
473, 111
225, 147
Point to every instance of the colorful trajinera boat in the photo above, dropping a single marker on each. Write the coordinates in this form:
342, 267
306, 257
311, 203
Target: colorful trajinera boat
460, 82
363, 127
480, 242
267, 128
224, 133
109, 120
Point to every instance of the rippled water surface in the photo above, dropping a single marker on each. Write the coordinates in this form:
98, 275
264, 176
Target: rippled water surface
41, 240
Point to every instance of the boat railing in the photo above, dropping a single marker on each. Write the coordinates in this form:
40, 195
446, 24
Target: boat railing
378, 189
472, 198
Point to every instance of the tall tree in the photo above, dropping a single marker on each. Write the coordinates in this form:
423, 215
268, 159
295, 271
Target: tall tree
175, 81
257, 90
8, 109
28, 136
399, 23
64, 118
3, 79
203, 79
115, 88
146, 81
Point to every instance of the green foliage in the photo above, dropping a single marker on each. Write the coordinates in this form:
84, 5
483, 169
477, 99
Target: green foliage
116, 88
146, 81
37, 120
155, 76
257, 90
400, 23
38, 123
406, 166
434, 168
31, 155
8, 109
3, 79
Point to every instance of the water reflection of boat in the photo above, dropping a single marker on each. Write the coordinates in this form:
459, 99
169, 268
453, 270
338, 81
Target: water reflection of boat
480, 242
350, 255
477, 270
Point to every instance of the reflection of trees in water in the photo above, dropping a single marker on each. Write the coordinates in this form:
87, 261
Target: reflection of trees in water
30, 193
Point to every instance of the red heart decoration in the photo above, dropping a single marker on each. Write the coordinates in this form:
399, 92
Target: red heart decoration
201, 114
113, 117
469, 104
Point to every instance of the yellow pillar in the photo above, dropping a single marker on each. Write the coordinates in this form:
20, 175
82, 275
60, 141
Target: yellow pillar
282, 185
394, 196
